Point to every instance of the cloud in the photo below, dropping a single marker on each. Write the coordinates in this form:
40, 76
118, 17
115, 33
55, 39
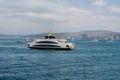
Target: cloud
114, 9
34, 16
43, 9
98, 2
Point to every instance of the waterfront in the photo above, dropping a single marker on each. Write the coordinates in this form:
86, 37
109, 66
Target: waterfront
88, 61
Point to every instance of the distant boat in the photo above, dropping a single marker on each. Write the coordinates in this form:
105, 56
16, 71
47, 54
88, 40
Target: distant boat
110, 40
50, 42
95, 40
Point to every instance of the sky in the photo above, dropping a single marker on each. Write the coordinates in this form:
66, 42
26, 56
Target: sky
40, 16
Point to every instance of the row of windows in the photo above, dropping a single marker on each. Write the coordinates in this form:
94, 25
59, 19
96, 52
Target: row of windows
47, 42
47, 45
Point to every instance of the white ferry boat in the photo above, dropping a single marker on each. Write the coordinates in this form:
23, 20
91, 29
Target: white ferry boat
50, 42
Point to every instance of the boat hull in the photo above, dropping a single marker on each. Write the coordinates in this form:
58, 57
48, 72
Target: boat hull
50, 48
40, 48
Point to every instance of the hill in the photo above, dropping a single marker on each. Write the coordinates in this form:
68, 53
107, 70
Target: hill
82, 34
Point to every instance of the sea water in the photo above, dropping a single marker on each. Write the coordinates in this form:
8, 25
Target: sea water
88, 61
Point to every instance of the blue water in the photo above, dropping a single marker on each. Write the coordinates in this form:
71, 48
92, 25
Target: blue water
88, 61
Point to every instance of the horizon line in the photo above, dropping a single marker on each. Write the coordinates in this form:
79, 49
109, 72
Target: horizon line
54, 32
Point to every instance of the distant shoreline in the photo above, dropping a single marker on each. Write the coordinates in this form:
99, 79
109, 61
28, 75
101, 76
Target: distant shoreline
101, 34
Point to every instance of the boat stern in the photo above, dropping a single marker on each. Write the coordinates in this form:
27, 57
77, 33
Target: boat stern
70, 46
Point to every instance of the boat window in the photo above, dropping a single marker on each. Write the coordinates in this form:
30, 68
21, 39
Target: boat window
47, 42
49, 37
47, 45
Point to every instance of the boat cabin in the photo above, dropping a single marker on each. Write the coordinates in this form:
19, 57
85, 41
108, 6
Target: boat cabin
50, 36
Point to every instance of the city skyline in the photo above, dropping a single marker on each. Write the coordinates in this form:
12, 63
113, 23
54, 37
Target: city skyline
39, 16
